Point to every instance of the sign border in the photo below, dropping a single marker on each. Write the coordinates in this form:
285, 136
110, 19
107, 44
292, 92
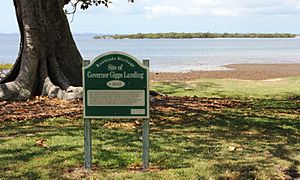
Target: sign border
117, 117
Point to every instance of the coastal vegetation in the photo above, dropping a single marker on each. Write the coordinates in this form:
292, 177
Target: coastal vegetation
5, 66
175, 35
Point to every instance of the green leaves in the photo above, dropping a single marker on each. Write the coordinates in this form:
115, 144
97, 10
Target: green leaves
87, 3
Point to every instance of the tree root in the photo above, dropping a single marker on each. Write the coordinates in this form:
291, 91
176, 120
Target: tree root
56, 73
52, 91
14, 91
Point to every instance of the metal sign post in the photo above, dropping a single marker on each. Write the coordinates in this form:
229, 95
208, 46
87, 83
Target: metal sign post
115, 85
87, 144
146, 132
87, 137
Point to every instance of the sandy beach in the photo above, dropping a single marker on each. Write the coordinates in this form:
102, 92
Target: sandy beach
238, 71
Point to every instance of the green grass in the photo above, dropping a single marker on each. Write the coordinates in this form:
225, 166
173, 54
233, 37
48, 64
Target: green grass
184, 144
5, 66
223, 88
255, 139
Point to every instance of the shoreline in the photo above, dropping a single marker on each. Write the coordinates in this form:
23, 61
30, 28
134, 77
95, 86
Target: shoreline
238, 71
235, 71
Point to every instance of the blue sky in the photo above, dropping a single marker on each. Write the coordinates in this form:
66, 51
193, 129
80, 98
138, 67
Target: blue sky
242, 16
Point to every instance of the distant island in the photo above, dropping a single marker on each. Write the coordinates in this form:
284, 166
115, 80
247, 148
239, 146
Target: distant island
174, 35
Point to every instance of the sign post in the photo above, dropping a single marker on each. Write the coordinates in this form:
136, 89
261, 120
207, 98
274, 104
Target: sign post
87, 137
116, 85
146, 141
87, 144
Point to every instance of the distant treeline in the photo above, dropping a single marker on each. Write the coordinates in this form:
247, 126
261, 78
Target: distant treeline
174, 35
5, 66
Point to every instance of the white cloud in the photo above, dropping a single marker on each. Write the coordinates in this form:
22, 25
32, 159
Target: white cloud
223, 8
203, 8
225, 12
163, 10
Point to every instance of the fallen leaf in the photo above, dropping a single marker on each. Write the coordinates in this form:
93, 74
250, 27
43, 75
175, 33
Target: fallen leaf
40, 143
231, 148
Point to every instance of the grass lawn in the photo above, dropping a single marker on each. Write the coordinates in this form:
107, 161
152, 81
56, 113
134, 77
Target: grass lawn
236, 130
224, 88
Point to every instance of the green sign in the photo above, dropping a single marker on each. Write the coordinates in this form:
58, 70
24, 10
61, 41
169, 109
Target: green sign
116, 86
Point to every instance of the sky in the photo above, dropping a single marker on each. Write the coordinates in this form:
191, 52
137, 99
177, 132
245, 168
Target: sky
150, 16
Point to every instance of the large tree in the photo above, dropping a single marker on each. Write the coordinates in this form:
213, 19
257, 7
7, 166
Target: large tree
49, 62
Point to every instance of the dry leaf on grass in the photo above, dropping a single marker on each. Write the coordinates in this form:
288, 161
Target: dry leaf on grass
43, 107
40, 143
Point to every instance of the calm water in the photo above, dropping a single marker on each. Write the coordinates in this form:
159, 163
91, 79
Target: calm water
171, 55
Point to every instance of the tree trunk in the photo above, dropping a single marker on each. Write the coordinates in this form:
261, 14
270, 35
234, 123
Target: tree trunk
49, 62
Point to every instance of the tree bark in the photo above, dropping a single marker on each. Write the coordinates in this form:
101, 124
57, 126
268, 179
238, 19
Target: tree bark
49, 62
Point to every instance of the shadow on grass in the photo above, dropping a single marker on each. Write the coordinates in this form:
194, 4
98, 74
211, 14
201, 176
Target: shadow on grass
255, 127
181, 135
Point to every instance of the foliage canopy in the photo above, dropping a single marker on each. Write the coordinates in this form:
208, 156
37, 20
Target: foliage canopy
85, 4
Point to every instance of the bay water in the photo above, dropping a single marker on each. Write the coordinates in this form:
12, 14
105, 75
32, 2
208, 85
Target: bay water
179, 55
